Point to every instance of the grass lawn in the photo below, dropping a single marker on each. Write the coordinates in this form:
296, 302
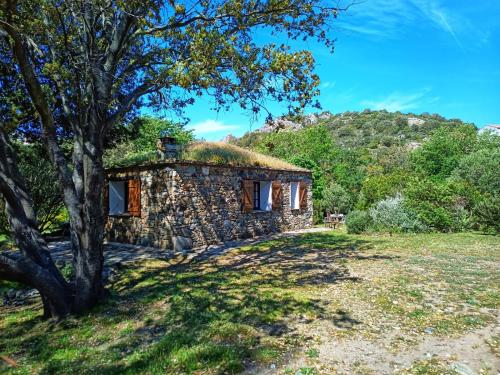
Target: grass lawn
284, 306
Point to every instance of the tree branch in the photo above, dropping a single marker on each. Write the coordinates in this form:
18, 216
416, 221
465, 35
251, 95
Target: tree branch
37, 96
127, 103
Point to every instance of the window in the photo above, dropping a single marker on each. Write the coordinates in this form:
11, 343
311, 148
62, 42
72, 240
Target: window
124, 197
256, 195
117, 197
266, 198
294, 195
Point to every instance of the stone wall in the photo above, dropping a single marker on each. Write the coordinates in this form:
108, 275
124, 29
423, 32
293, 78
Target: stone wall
187, 205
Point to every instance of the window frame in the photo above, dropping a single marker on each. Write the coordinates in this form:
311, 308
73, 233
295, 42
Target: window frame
295, 198
256, 196
126, 198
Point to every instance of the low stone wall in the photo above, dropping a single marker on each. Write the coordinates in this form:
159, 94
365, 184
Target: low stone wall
187, 205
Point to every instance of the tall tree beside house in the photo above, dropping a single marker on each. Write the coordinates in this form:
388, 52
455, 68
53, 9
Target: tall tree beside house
86, 65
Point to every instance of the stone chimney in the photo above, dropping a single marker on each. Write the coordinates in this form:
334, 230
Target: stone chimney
168, 148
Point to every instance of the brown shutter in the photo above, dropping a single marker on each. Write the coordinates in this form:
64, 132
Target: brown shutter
303, 194
247, 196
134, 197
105, 199
277, 195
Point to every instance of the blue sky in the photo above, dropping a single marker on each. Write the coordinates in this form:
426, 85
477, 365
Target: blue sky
436, 56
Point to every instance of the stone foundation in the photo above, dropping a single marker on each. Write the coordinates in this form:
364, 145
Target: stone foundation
187, 205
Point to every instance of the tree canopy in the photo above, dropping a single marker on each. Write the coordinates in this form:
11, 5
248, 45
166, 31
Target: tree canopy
85, 66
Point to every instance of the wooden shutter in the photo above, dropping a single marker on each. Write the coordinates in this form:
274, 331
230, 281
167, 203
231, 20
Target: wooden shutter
303, 194
105, 199
134, 197
247, 196
277, 195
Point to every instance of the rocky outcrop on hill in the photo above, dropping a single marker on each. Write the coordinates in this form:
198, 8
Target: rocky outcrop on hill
414, 121
229, 138
283, 123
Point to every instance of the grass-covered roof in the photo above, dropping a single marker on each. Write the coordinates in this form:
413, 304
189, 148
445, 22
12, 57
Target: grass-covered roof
218, 153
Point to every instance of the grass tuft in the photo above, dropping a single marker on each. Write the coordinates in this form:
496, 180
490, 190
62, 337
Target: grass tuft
224, 153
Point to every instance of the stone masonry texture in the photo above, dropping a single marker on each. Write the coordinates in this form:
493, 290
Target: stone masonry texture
197, 205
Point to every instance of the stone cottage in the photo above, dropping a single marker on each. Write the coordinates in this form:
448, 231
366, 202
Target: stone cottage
182, 204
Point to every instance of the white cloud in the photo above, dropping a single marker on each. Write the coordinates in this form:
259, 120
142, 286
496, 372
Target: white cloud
393, 18
211, 126
327, 84
400, 102
441, 17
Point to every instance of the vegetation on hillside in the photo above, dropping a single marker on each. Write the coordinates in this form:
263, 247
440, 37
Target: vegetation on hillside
441, 172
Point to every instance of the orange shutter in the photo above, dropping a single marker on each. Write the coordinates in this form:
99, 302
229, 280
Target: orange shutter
303, 194
247, 196
277, 195
134, 197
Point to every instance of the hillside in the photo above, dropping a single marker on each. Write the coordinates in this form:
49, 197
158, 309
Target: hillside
425, 167
367, 129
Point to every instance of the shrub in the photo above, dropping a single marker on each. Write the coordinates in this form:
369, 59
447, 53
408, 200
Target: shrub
381, 186
443, 206
358, 221
441, 154
480, 169
42, 183
336, 199
487, 213
391, 215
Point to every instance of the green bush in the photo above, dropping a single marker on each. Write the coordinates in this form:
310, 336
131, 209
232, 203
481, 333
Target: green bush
380, 186
336, 199
441, 154
391, 215
442, 206
42, 183
480, 169
358, 221
487, 213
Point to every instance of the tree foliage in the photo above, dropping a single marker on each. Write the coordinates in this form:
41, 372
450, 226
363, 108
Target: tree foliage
42, 185
336, 199
87, 66
137, 141
444, 171
441, 154
391, 215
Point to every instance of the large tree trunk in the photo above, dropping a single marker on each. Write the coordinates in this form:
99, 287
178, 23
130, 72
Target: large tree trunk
82, 187
87, 230
32, 265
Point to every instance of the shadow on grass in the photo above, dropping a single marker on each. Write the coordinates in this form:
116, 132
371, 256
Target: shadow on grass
218, 314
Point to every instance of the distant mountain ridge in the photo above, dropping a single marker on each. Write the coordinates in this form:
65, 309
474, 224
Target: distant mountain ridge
370, 129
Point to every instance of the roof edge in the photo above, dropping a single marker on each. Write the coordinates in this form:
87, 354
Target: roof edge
168, 163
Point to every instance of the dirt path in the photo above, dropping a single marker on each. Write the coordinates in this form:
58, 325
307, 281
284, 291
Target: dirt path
468, 354
115, 252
